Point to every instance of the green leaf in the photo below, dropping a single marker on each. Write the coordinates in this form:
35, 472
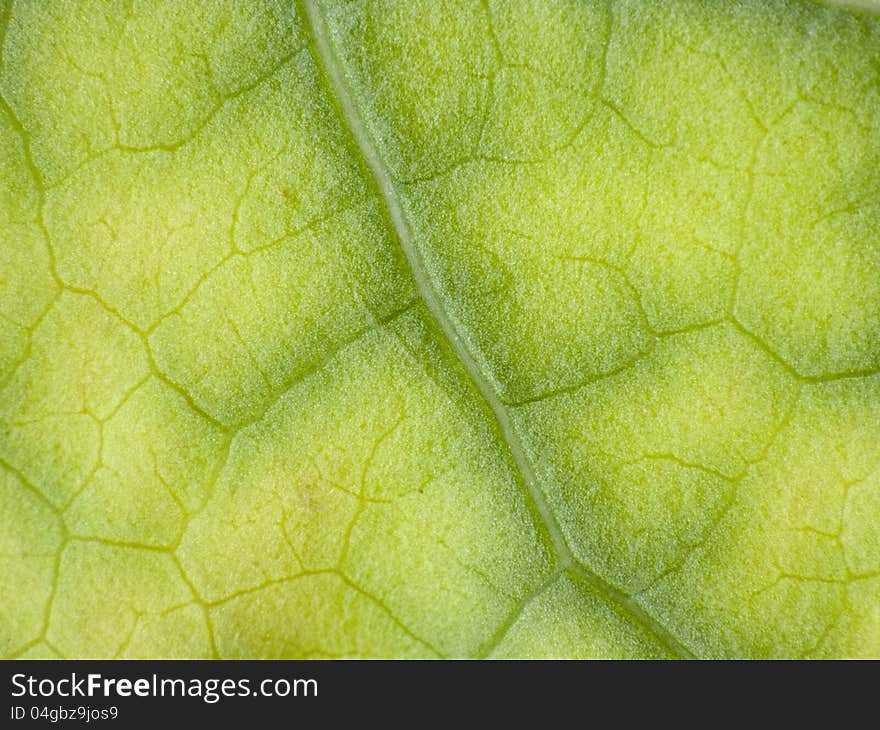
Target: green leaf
410, 329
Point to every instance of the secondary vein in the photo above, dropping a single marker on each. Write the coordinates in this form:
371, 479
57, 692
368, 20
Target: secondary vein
351, 118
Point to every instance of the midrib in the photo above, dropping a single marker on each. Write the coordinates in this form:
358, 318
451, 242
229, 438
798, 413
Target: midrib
351, 119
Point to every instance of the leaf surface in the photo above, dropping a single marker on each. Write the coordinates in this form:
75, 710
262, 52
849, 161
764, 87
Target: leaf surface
357, 329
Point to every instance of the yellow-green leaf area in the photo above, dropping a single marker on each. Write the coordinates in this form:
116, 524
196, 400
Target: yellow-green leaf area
440, 329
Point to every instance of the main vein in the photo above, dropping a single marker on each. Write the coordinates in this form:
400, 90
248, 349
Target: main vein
351, 117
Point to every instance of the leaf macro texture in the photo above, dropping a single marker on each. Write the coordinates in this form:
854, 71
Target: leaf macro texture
540, 328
